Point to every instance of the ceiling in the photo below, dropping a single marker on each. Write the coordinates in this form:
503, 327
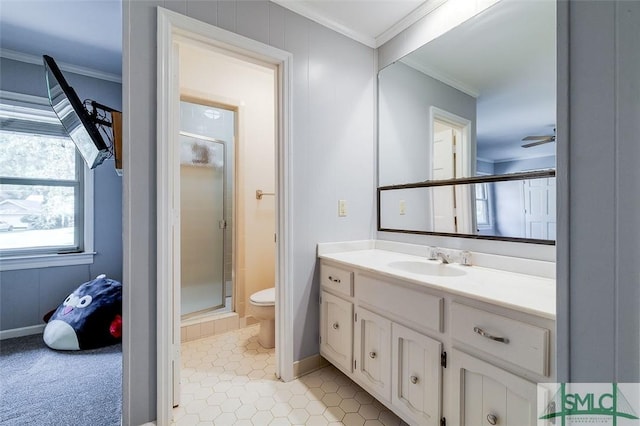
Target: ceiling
83, 33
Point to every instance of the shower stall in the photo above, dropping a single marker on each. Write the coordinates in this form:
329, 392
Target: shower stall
206, 199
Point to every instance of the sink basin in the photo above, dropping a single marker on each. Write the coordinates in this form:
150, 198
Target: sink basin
425, 268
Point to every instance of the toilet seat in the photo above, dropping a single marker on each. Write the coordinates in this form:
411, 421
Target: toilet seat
265, 297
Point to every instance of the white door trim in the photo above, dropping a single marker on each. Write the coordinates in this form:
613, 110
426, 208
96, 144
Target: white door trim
171, 25
465, 154
465, 164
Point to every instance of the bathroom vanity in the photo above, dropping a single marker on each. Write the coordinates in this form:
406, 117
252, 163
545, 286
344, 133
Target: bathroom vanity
439, 343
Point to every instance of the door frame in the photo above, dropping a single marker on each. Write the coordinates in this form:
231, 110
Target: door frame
466, 149
465, 160
170, 26
225, 178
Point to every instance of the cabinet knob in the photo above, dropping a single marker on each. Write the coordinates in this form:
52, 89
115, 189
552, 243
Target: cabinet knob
372, 355
335, 280
336, 326
492, 419
414, 379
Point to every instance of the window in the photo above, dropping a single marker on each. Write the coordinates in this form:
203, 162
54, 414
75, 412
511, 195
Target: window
45, 190
483, 218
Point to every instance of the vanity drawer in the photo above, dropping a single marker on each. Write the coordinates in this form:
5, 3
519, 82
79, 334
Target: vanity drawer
338, 279
413, 307
505, 338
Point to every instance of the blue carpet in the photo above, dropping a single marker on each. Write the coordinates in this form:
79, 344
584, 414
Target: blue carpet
40, 386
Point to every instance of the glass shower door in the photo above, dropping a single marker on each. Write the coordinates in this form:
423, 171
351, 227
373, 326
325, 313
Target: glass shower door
202, 196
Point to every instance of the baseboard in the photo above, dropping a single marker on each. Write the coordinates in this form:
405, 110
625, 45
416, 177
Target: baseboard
309, 364
22, 331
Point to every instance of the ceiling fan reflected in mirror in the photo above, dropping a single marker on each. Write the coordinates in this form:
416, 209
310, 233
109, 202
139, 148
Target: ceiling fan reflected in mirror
538, 140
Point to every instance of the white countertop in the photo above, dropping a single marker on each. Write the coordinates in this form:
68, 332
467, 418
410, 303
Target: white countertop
525, 293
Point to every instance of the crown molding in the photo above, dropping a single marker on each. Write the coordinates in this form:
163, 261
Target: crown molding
471, 91
372, 42
37, 60
310, 13
413, 17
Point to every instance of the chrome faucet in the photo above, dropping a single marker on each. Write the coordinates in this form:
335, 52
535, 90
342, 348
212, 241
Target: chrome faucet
442, 256
450, 256
437, 253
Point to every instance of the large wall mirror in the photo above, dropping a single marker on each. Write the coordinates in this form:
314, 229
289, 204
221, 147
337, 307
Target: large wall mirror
477, 102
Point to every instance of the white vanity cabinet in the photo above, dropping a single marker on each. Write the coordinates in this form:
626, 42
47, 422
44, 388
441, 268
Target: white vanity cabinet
336, 330
488, 395
372, 342
485, 393
512, 341
434, 356
417, 376
395, 363
336, 316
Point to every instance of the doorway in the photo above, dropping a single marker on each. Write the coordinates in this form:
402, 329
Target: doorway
208, 77
175, 32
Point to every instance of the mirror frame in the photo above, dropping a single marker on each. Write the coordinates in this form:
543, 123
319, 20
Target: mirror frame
460, 181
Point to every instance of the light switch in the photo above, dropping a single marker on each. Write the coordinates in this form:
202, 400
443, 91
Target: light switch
403, 207
342, 208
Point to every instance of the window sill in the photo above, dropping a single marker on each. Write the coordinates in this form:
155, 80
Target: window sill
45, 261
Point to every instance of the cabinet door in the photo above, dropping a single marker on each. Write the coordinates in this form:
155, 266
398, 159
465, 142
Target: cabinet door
372, 351
336, 330
416, 375
488, 395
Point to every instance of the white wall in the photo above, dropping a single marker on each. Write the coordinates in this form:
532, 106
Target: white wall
333, 158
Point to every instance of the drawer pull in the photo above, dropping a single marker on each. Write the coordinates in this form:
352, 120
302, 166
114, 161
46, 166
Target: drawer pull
414, 379
489, 336
372, 355
336, 326
492, 419
334, 280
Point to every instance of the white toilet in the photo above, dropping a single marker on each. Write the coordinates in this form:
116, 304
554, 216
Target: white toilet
262, 306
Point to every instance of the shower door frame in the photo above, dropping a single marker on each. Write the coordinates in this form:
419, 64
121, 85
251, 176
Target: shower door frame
170, 27
225, 177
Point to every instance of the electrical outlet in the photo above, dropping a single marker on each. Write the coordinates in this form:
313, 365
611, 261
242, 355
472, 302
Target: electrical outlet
403, 207
342, 208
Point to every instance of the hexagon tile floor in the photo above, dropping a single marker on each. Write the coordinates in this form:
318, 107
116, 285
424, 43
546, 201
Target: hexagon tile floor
228, 379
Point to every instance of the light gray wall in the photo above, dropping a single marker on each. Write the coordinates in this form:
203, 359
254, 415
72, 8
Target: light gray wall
333, 158
405, 98
484, 167
599, 243
508, 204
27, 294
524, 165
